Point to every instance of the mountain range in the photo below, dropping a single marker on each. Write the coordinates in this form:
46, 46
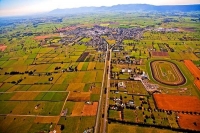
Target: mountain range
128, 8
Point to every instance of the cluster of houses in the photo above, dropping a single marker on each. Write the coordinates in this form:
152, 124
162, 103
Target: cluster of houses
74, 35
160, 29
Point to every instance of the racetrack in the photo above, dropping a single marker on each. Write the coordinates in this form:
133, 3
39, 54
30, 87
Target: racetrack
167, 73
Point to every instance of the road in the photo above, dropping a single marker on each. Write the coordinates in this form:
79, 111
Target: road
97, 124
62, 110
107, 94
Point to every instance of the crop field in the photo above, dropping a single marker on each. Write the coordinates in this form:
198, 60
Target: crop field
194, 70
79, 96
75, 87
161, 54
90, 110
166, 102
119, 128
3, 47
189, 121
77, 124
167, 73
44, 83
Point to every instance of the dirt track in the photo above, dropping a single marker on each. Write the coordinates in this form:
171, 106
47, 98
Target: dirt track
180, 79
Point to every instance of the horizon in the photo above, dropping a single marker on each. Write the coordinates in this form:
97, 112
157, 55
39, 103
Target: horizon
9, 8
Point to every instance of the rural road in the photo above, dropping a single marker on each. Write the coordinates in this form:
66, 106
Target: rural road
101, 95
107, 93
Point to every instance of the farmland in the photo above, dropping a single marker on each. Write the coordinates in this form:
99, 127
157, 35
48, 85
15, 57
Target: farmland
107, 72
166, 102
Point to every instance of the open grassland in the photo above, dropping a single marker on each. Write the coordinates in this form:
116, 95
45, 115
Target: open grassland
136, 87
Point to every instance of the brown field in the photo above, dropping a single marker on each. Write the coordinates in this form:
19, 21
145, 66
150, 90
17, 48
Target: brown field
191, 122
166, 102
90, 110
77, 110
194, 70
79, 96
96, 90
75, 87
41, 37
197, 83
24, 96
44, 37
82, 57
162, 54
67, 28
47, 119
2, 47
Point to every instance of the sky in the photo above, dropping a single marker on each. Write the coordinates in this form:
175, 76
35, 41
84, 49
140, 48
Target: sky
25, 7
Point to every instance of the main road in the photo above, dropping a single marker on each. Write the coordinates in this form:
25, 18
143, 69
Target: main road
107, 93
97, 124
106, 74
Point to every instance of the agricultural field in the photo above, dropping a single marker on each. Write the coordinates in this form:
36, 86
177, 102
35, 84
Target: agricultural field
166, 102
130, 72
43, 85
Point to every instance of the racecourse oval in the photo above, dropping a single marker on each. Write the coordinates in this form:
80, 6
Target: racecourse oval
167, 73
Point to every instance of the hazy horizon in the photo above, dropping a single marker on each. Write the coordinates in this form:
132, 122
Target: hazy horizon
26, 7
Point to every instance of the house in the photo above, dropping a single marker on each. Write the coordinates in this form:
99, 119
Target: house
121, 84
123, 70
129, 70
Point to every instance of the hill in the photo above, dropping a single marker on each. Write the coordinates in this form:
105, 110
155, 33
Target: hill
129, 8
